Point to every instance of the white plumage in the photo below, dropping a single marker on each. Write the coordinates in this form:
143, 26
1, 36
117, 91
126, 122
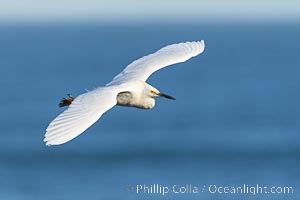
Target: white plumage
127, 89
142, 68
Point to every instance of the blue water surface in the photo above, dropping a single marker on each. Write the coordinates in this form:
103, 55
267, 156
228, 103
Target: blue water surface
236, 119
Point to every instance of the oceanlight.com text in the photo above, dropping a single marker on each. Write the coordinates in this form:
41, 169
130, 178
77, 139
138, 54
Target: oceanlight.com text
250, 190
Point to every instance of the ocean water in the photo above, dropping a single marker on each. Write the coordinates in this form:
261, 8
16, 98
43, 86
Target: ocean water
235, 123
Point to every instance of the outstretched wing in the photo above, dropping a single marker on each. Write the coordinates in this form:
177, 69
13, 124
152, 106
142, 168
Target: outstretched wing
84, 111
142, 68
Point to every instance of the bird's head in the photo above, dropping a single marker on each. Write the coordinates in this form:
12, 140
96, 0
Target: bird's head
155, 93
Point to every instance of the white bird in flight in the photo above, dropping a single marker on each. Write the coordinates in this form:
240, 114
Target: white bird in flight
129, 88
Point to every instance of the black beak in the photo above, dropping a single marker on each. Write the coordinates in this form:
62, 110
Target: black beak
166, 96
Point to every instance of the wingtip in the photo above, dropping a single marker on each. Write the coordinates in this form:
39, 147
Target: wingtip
50, 142
46, 142
197, 47
203, 45
202, 42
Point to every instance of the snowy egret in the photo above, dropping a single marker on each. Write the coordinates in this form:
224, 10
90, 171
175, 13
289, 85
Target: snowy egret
126, 89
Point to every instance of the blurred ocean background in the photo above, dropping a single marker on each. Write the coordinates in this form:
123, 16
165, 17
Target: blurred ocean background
236, 119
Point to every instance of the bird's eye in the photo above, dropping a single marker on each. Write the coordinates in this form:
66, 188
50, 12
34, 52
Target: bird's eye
153, 92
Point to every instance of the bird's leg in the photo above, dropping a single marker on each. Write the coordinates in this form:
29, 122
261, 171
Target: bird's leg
66, 101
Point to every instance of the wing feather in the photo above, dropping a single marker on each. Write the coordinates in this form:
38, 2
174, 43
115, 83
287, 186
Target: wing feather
142, 68
84, 111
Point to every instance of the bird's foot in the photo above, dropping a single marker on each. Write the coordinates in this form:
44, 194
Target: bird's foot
66, 101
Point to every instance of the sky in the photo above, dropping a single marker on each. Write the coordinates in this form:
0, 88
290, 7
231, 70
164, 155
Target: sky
148, 10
